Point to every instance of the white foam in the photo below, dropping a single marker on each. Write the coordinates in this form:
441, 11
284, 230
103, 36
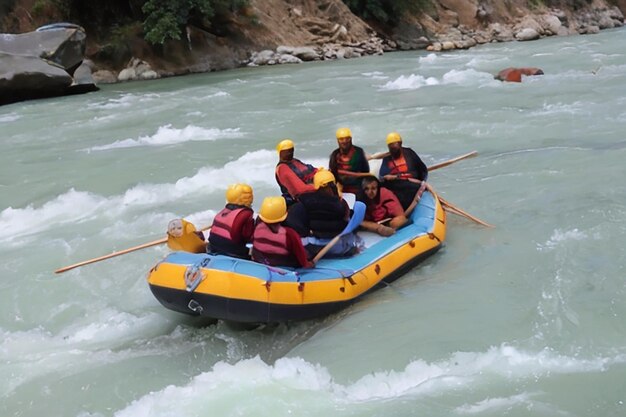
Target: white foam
493, 404
296, 378
168, 135
11, 117
125, 100
375, 75
410, 82
430, 58
467, 77
559, 237
77, 206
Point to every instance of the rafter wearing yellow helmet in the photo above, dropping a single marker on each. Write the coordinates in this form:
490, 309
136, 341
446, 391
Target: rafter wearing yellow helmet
401, 165
233, 226
293, 176
348, 162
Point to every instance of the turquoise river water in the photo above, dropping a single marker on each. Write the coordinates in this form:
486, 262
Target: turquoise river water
527, 319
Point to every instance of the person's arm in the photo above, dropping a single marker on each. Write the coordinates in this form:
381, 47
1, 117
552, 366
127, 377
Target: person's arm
377, 228
294, 244
332, 162
384, 168
295, 186
418, 168
363, 165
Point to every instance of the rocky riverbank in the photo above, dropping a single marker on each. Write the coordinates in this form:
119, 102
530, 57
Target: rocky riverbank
270, 32
299, 31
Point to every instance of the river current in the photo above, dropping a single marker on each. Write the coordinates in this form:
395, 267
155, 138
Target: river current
526, 319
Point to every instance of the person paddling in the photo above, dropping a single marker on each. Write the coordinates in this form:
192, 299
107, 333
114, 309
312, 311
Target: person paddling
274, 243
402, 171
348, 162
233, 226
293, 176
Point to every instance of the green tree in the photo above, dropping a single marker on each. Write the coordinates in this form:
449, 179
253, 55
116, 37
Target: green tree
166, 19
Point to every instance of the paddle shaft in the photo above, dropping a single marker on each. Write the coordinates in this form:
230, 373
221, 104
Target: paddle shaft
381, 155
118, 253
459, 212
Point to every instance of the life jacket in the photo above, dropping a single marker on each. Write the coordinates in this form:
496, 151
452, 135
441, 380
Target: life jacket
377, 208
269, 247
399, 166
190, 241
304, 171
326, 214
343, 161
223, 238
347, 163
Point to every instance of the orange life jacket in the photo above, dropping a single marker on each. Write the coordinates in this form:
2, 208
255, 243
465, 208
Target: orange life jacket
399, 167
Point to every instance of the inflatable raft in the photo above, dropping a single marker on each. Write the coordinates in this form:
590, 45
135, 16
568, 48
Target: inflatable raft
244, 291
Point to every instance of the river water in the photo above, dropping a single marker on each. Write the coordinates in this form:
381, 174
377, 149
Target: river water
526, 319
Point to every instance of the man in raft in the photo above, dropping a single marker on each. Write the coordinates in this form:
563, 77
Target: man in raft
402, 171
348, 163
382, 204
273, 242
233, 226
515, 74
293, 176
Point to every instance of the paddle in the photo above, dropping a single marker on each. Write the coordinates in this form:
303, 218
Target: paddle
381, 155
357, 217
118, 253
454, 209
451, 161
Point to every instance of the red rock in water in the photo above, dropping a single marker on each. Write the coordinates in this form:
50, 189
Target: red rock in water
515, 74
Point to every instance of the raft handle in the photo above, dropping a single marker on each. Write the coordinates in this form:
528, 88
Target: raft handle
195, 306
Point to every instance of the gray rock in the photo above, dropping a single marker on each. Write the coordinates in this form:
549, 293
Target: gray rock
42, 63
306, 53
104, 77
527, 34
27, 77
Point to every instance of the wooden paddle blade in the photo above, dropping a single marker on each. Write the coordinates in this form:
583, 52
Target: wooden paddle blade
452, 161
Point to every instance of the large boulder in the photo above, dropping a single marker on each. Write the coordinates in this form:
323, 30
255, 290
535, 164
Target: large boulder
43, 63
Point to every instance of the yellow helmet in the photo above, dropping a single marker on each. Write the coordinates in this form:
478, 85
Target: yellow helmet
343, 132
240, 194
323, 177
284, 145
393, 137
273, 210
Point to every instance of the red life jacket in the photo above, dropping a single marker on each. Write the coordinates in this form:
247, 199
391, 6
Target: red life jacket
304, 171
269, 247
377, 211
398, 167
223, 224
